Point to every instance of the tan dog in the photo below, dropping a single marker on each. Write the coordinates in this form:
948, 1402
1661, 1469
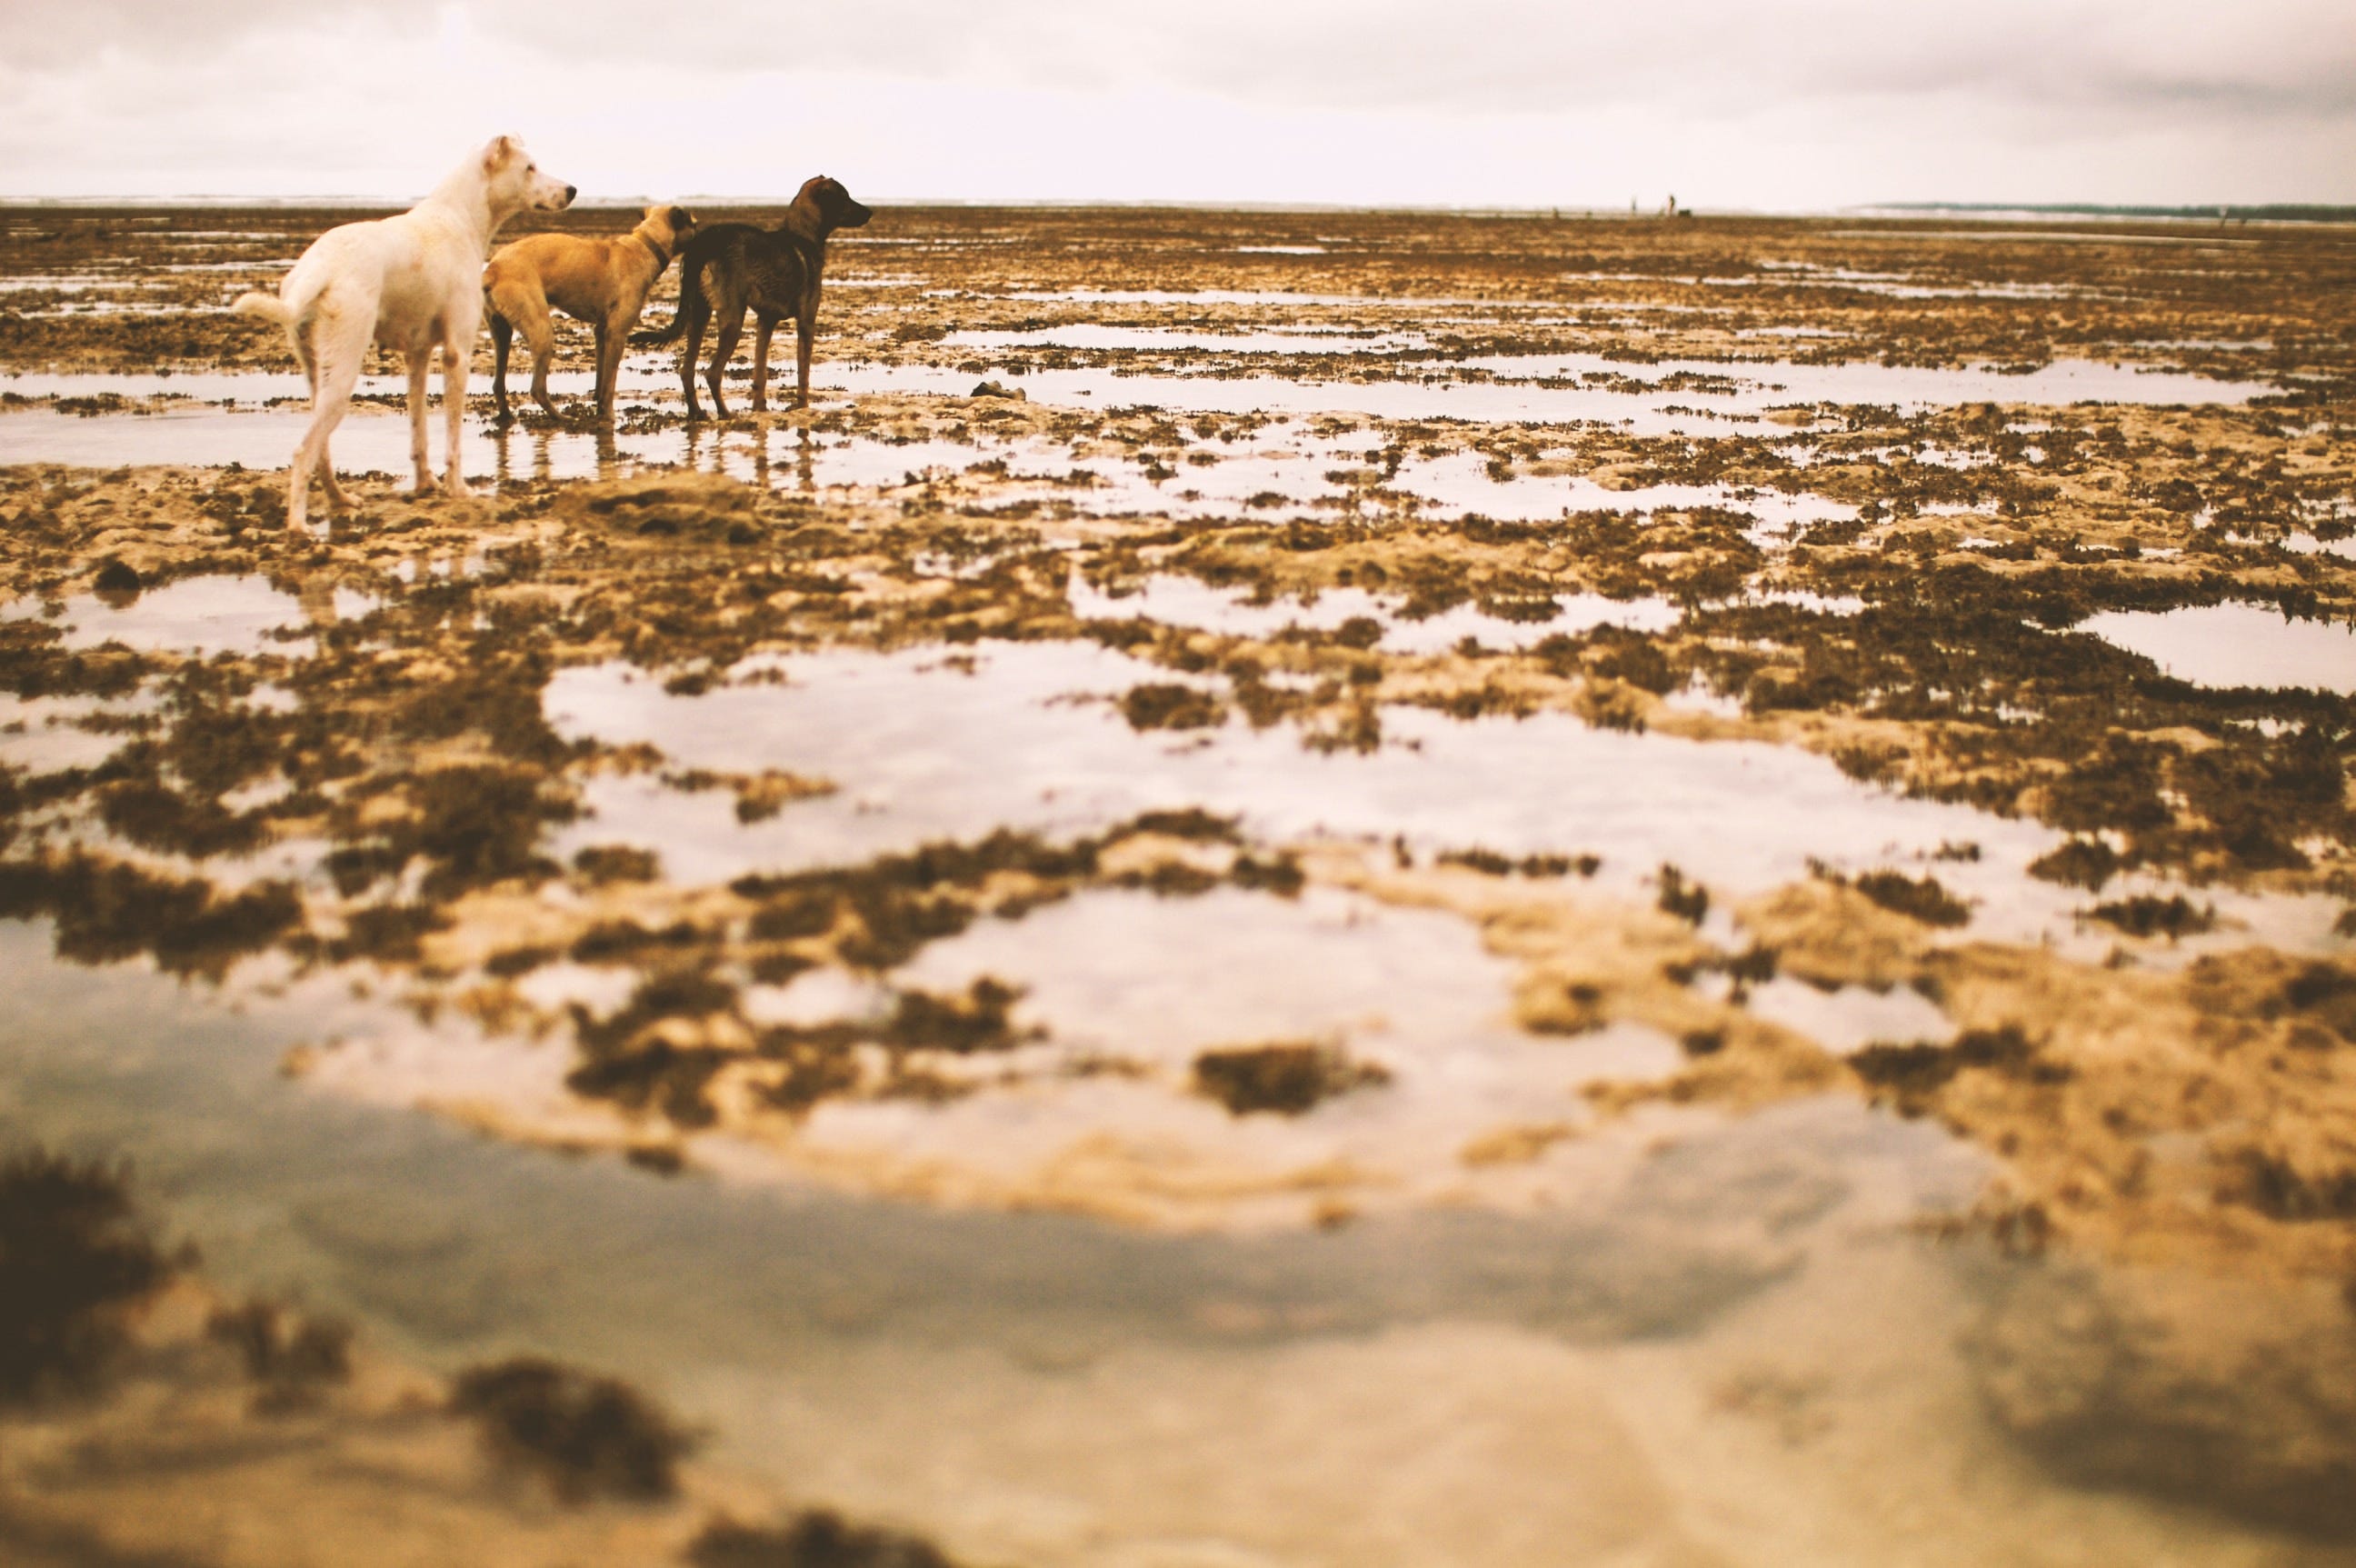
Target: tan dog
603, 281
412, 283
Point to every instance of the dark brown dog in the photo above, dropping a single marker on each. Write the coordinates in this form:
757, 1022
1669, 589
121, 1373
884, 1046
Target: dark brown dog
602, 282
730, 268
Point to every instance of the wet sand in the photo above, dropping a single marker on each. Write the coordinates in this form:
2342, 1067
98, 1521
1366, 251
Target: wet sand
1246, 731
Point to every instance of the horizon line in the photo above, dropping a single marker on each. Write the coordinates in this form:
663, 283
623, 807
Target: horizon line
2203, 211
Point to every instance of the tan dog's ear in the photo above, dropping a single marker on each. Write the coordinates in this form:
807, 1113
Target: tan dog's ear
682, 219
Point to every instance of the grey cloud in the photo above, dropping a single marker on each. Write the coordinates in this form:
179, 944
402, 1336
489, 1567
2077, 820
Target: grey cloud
2261, 58
52, 35
2267, 60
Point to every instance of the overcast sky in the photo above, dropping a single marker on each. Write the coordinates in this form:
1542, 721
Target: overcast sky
1765, 104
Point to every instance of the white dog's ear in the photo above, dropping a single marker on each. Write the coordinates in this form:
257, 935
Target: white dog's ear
497, 153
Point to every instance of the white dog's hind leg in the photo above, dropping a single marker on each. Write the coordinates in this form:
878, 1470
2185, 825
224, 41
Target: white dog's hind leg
337, 499
421, 360
456, 363
336, 369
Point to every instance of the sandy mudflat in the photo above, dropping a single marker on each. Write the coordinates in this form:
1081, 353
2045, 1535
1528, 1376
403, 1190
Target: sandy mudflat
1686, 783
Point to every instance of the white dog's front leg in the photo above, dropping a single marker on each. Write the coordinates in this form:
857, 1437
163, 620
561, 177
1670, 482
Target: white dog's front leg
420, 362
455, 364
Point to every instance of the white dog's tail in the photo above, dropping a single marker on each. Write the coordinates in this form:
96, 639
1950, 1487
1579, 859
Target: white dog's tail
267, 306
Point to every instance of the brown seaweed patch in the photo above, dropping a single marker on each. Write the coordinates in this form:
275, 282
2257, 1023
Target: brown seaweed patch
1918, 899
106, 911
387, 933
1689, 901
588, 1437
899, 902
979, 1019
76, 1264
2146, 915
1287, 1079
764, 795
2236, 1394
651, 1053
2318, 1000
816, 1538
1489, 862
473, 826
2294, 1175
153, 816
1167, 705
2080, 862
294, 1361
601, 865
1910, 1077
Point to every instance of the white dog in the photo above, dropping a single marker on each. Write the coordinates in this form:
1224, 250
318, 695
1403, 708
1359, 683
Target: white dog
414, 283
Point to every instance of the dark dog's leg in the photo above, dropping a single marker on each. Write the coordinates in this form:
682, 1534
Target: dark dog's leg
728, 321
688, 351
501, 332
804, 332
764, 326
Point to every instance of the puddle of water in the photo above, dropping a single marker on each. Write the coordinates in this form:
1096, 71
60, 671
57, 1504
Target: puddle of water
1848, 1020
1186, 601
199, 617
78, 283
1578, 1383
1761, 386
1027, 737
43, 735
1461, 483
2235, 645
1127, 987
1019, 742
1268, 297
1653, 413
1162, 339
371, 441
44, 436
1895, 286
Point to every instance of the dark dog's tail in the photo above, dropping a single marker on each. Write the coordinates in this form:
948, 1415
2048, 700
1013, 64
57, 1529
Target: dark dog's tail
661, 336
693, 308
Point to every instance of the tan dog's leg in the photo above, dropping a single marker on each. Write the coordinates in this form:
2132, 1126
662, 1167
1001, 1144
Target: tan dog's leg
609, 364
519, 300
541, 335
